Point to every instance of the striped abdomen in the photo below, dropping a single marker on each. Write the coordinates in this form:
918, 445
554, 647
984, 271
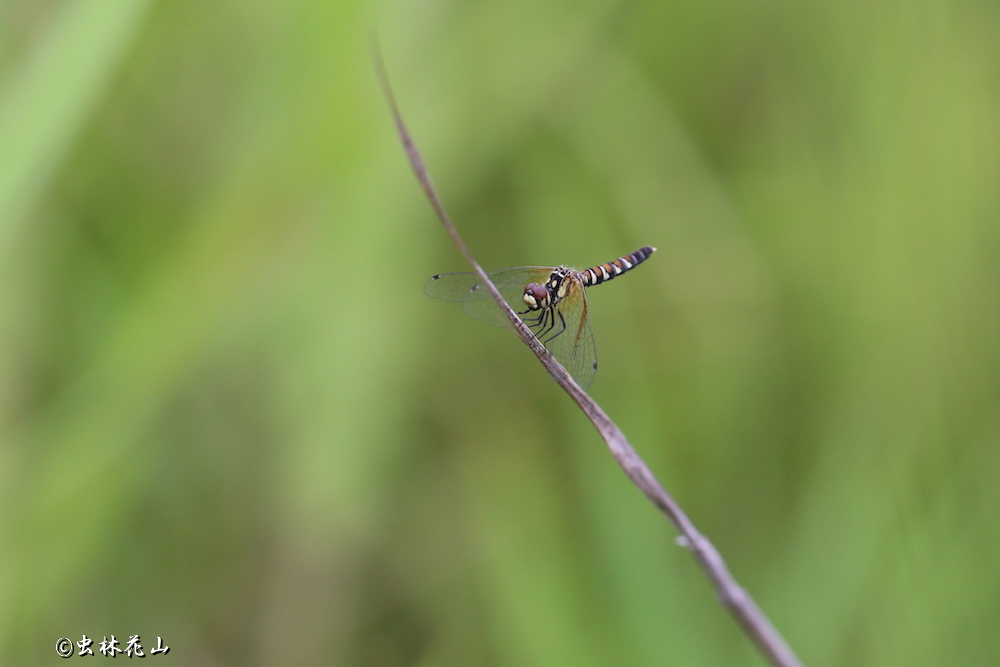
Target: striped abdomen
598, 274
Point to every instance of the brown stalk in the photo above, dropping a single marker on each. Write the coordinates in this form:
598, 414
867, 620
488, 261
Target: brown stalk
739, 603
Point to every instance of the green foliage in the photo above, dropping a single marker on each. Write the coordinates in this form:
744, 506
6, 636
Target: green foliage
229, 416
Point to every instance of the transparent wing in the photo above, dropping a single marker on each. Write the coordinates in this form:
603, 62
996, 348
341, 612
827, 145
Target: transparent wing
565, 331
466, 289
573, 345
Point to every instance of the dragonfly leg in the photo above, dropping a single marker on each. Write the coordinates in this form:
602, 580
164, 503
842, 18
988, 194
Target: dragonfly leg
562, 322
548, 321
530, 321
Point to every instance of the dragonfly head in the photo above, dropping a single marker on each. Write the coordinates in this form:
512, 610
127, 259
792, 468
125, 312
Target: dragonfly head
535, 297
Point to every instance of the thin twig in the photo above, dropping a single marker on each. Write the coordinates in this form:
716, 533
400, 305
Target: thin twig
739, 603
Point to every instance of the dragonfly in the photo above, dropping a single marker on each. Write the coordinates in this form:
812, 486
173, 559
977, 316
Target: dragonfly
551, 300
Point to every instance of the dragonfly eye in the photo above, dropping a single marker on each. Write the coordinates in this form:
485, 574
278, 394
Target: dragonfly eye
535, 296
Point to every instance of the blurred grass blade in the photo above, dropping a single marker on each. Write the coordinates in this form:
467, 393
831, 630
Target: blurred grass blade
49, 97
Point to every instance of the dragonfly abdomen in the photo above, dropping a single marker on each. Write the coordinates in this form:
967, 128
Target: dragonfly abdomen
602, 272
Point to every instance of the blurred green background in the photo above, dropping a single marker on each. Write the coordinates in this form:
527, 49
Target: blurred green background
231, 418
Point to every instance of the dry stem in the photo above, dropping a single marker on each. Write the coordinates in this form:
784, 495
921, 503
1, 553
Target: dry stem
730, 593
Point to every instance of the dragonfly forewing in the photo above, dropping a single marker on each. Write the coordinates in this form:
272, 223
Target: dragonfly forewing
475, 298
